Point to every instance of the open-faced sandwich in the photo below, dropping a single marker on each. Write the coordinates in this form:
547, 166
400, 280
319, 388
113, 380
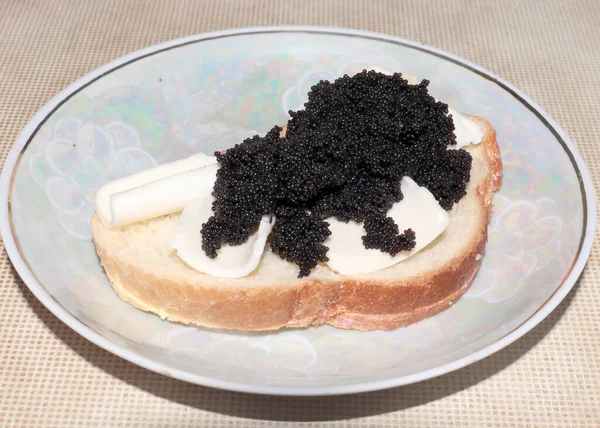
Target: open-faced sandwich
367, 210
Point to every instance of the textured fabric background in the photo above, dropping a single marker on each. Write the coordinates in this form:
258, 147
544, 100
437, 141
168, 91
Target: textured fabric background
50, 376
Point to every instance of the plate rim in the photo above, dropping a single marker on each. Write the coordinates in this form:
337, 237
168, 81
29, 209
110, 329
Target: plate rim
30, 280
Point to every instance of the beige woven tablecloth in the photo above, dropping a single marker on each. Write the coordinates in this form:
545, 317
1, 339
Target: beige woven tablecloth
50, 376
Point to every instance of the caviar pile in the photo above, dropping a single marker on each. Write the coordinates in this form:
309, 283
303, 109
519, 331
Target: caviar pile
342, 156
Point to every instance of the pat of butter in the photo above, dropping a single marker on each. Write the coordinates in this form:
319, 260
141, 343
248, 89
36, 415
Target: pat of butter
418, 210
159, 191
165, 196
183, 185
466, 131
232, 261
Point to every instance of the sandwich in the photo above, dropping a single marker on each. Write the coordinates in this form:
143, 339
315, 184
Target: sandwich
367, 210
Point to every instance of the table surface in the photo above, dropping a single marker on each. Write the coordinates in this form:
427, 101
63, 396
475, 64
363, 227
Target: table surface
50, 376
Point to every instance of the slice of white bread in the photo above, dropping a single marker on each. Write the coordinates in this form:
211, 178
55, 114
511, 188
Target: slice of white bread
143, 272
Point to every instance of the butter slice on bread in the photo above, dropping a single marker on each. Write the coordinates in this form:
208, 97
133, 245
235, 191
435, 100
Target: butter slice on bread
146, 274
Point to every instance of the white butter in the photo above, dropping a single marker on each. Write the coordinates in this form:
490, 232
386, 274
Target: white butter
418, 211
147, 204
466, 131
232, 261
183, 185
165, 196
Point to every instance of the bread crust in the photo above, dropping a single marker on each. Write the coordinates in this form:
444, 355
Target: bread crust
354, 303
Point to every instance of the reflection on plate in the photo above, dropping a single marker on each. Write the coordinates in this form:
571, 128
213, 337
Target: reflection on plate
210, 91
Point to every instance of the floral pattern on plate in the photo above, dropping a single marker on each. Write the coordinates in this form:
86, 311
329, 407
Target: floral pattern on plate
78, 160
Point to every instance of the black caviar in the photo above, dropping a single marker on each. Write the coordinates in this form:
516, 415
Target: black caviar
343, 156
